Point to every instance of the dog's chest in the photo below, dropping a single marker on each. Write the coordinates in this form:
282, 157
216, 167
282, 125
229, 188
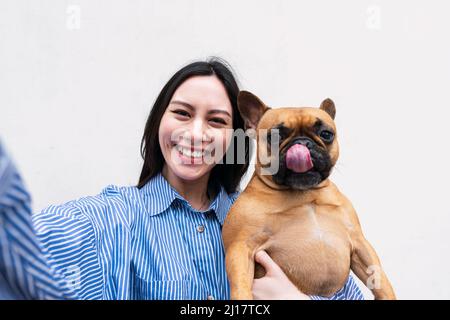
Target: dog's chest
311, 244
310, 223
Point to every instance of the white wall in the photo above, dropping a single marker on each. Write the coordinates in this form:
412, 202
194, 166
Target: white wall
74, 99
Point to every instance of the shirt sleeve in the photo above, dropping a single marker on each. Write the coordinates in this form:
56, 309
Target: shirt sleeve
24, 271
350, 291
233, 196
68, 242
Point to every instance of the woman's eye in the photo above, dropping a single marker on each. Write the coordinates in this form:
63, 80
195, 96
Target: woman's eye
182, 113
326, 135
218, 120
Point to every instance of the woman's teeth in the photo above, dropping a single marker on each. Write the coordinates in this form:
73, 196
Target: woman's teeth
189, 153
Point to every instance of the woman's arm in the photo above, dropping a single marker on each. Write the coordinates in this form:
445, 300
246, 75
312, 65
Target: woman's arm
24, 271
50, 255
275, 285
69, 244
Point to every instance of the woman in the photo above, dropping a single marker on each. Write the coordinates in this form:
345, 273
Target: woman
162, 238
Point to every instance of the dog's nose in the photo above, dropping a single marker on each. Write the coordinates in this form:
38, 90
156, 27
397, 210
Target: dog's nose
307, 142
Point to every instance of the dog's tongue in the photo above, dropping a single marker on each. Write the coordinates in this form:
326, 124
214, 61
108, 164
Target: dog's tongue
298, 158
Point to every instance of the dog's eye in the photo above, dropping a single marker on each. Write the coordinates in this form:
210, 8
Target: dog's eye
272, 136
278, 134
327, 136
284, 132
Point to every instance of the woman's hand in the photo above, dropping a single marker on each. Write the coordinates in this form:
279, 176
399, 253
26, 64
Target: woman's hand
275, 285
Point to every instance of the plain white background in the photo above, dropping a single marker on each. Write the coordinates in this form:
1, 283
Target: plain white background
78, 78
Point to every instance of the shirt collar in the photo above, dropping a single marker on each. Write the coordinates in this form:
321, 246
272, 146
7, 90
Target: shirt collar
161, 194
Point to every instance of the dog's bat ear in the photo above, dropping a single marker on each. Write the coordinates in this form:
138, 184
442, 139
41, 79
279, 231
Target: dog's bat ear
327, 105
251, 109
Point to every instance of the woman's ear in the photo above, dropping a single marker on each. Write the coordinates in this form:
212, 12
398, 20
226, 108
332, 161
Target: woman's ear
251, 109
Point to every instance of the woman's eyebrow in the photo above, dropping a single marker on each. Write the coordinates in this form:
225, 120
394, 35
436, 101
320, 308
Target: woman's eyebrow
219, 111
183, 104
187, 105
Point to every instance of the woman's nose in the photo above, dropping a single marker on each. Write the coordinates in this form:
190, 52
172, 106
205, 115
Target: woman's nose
198, 132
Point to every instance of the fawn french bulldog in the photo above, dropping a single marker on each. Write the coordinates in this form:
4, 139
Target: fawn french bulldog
296, 214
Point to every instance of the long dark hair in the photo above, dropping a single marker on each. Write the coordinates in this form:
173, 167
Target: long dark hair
227, 175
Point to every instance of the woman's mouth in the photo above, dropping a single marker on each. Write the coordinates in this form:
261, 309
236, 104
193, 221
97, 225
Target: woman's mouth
190, 153
187, 155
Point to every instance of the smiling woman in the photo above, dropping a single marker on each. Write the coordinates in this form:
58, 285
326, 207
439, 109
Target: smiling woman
162, 238
200, 96
198, 116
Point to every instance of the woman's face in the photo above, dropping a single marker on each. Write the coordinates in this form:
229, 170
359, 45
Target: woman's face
196, 128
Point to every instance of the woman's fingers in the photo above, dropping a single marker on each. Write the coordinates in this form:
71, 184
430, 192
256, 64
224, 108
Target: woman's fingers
266, 261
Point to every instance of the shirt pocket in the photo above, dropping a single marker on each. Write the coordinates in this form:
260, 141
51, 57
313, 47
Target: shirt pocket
164, 289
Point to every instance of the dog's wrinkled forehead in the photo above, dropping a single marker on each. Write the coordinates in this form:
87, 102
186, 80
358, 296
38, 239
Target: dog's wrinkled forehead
298, 119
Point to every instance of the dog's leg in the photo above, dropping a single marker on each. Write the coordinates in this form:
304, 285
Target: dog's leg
240, 269
366, 265
364, 260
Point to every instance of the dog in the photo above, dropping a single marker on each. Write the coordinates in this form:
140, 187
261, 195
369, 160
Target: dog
295, 213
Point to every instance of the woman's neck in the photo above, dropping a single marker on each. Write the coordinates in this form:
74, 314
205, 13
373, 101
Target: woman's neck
195, 192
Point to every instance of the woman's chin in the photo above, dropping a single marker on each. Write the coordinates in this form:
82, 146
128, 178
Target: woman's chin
189, 172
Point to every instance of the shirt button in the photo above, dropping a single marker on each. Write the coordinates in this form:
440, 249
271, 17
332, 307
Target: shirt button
210, 297
200, 228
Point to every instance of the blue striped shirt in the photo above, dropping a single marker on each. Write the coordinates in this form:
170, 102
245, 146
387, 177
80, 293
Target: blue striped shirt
24, 271
125, 243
